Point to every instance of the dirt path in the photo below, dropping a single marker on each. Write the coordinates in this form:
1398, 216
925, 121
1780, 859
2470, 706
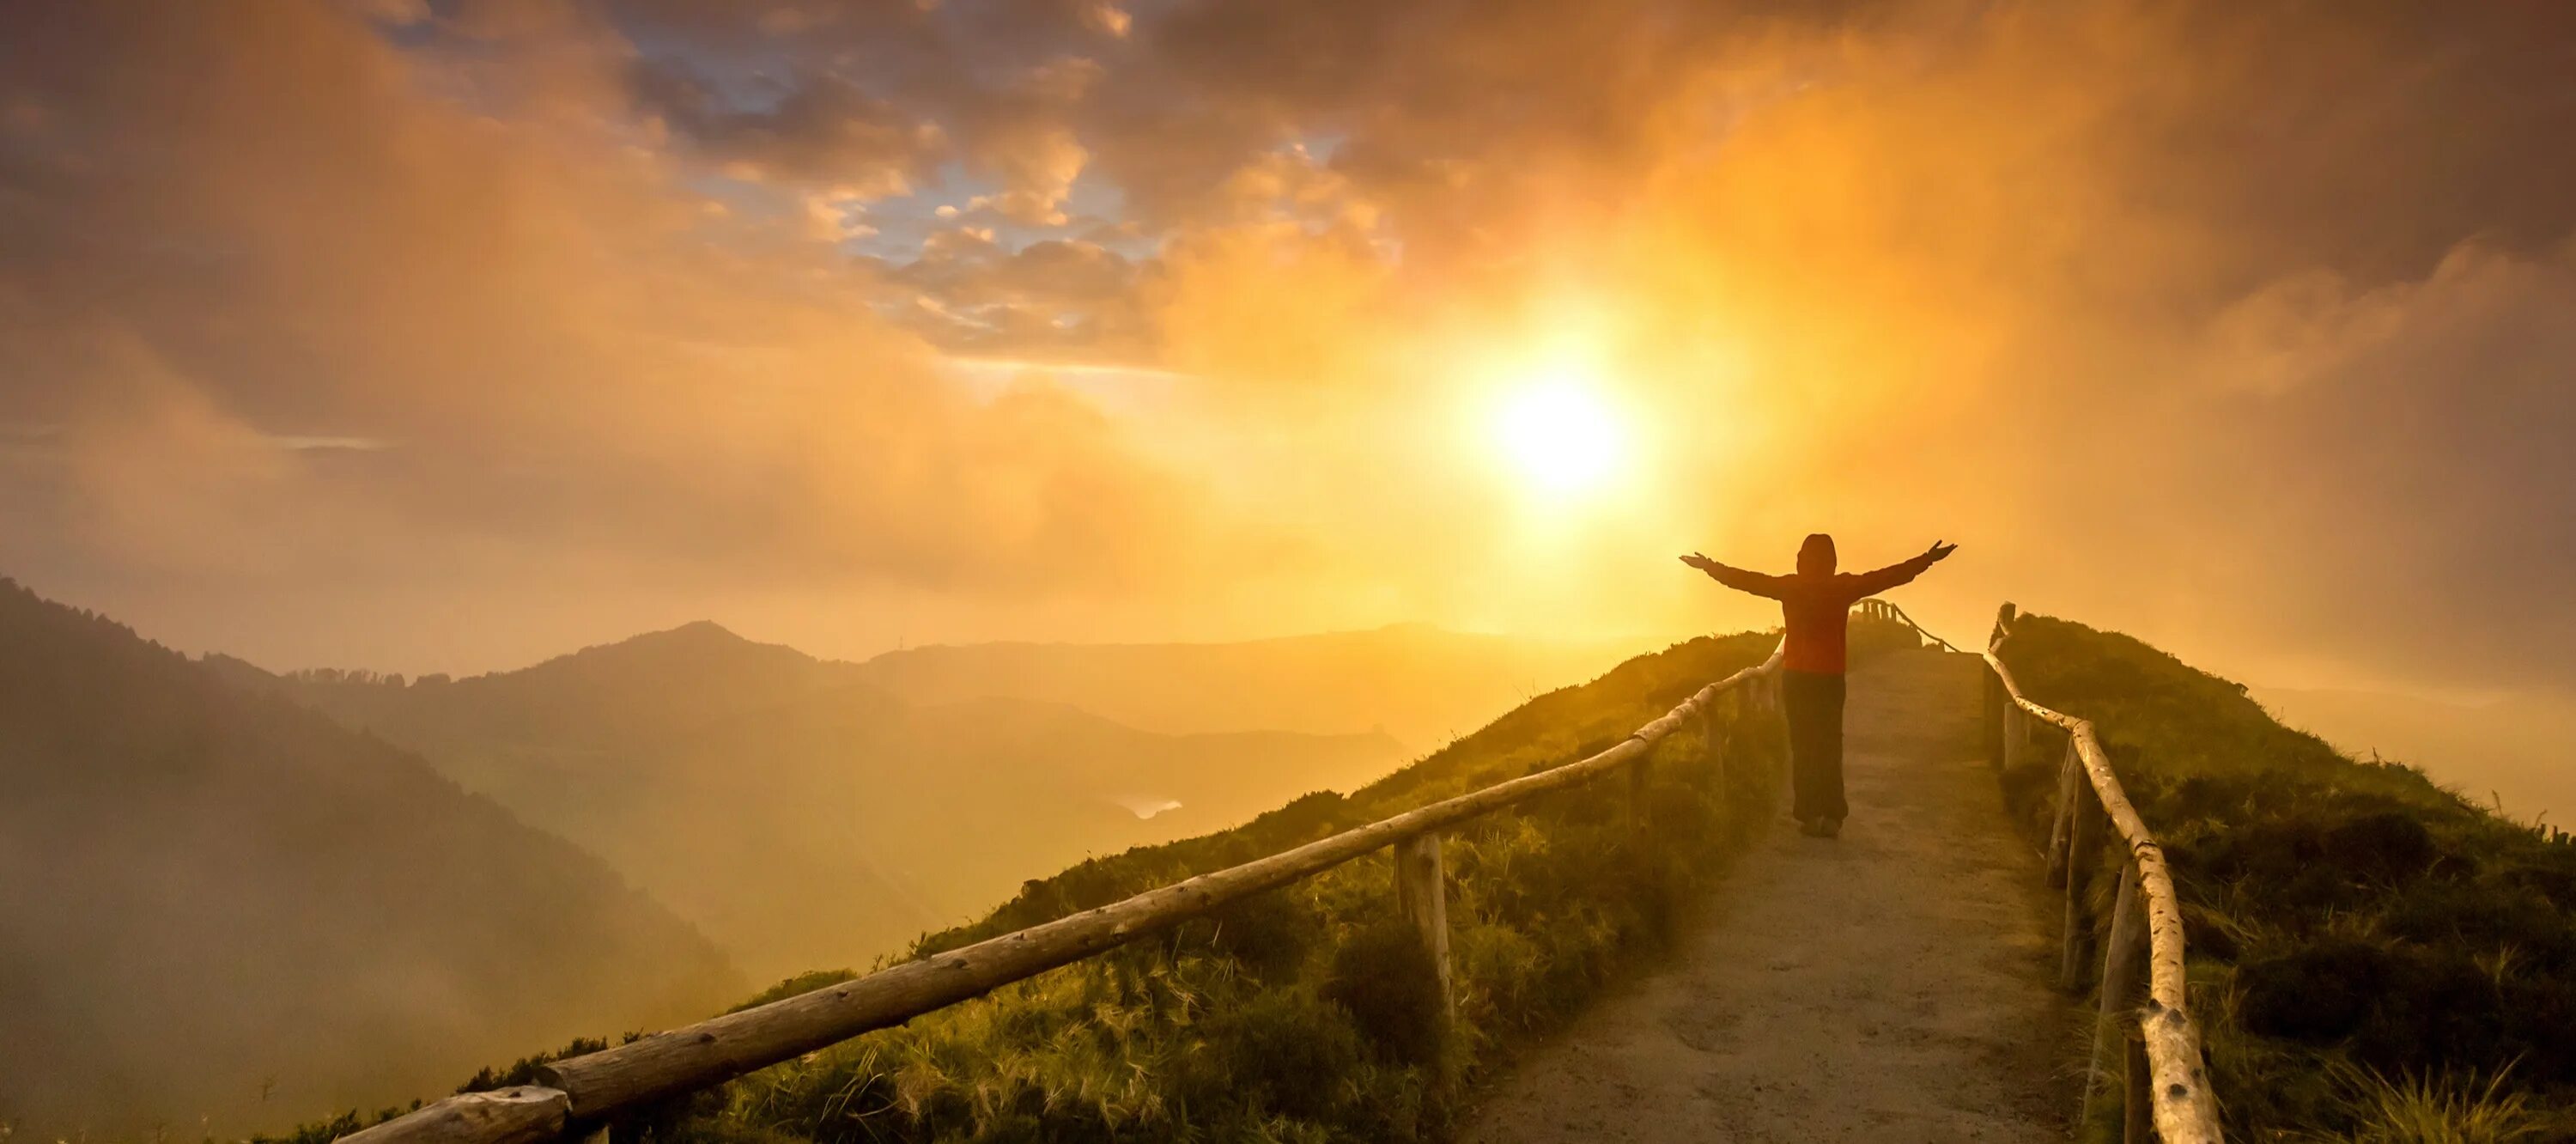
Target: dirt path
1887, 986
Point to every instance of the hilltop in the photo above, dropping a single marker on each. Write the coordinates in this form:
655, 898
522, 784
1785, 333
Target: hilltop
2368, 948
221, 906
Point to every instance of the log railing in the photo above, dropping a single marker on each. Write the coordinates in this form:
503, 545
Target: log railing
1877, 609
580, 1093
2143, 1008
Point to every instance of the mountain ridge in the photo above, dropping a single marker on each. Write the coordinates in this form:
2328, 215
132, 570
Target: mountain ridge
230, 897
700, 763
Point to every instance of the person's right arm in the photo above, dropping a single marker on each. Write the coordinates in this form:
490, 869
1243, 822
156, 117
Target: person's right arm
1759, 584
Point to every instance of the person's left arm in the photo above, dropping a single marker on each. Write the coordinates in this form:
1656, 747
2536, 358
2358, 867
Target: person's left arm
1874, 582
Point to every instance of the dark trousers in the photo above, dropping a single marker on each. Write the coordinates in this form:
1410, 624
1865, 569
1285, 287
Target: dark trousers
1814, 703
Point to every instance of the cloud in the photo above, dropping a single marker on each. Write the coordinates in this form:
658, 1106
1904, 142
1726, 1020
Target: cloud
2395, 474
282, 229
1022, 137
1064, 299
826, 129
2238, 325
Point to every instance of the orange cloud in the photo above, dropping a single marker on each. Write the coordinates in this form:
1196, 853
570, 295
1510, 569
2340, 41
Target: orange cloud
2171, 313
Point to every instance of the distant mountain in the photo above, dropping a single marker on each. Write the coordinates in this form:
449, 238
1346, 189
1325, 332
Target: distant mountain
1422, 685
615, 697
2514, 751
218, 909
844, 823
798, 811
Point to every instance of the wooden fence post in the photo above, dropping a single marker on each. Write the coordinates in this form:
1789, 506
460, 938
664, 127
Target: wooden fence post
2070, 785
2083, 853
1421, 891
2137, 1098
2124, 958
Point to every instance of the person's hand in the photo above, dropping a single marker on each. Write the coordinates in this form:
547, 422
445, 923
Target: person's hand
1700, 562
1940, 552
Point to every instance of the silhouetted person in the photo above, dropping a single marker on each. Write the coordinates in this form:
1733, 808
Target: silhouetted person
1815, 603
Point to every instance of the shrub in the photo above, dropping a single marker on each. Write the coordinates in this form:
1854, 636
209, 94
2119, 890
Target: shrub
1383, 977
1280, 1052
2320, 993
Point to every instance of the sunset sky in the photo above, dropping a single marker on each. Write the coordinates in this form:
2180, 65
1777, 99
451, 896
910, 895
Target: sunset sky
447, 336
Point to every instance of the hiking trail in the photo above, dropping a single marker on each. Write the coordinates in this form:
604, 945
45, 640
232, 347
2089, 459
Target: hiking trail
1890, 985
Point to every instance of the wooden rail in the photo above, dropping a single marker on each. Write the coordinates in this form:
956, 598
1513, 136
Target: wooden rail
1878, 609
580, 1092
2164, 1082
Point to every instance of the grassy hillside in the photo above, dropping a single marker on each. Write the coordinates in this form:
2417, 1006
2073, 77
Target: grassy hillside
217, 908
1301, 1014
2368, 949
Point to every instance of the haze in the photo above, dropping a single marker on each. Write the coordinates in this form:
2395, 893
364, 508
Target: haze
449, 336
453, 336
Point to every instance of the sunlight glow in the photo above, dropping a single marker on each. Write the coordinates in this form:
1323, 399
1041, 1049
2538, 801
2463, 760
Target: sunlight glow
1560, 433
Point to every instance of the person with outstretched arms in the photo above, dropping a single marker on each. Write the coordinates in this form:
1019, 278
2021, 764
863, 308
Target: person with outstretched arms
1815, 605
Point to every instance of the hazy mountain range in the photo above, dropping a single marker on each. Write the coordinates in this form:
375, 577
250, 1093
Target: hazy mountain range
235, 896
809, 812
221, 909
1420, 684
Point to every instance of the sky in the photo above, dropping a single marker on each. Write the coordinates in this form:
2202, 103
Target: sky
448, 336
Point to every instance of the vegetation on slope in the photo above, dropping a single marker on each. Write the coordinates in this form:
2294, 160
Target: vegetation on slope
2376, 958
1305, 1013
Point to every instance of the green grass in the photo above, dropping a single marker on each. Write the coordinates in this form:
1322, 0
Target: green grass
1303, 1014
2449, 1110
2372, 956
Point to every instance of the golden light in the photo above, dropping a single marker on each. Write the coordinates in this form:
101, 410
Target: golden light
1560, 433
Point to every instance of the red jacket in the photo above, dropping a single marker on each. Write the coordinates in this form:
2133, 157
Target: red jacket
1815, 608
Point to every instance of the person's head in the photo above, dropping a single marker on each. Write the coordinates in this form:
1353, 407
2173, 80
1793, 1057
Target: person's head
1816, 556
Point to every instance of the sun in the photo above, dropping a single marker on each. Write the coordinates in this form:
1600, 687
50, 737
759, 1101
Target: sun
1559, 433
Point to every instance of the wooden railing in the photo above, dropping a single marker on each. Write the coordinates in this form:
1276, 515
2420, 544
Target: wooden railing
580, 1093
2164, 1084
1877, 609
